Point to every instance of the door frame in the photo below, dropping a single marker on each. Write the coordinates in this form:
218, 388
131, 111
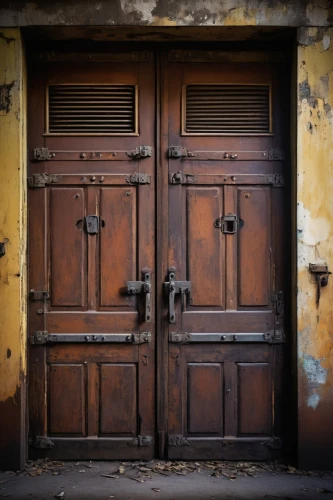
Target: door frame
161, 206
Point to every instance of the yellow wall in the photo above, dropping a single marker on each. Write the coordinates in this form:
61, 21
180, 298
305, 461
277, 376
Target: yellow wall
12, 228
315, 244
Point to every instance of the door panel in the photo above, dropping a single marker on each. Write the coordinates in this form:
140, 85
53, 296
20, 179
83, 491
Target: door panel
224, 250
91, 231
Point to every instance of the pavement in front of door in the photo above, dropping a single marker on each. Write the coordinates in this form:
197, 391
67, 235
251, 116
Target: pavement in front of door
160, 480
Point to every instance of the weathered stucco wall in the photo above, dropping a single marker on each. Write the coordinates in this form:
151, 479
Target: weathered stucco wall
167, 13
315, 245
12, 231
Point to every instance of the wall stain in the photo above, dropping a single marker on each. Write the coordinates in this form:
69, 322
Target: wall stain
5, 97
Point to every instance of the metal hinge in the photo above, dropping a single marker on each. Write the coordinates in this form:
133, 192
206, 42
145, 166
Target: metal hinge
275, 443
43, 443
275, 154
41, 154
276, 179
36, 295
138, 178
275, 337
179, 152
140, 152
177, 440
181, 178
40, 180
143, 441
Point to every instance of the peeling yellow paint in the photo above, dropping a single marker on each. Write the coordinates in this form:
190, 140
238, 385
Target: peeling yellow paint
12, 217
314, 228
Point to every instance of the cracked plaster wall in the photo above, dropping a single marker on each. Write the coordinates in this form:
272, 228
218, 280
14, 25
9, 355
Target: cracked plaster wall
167, 13
315, 243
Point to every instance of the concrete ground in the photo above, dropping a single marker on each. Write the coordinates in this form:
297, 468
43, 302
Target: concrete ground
160, 480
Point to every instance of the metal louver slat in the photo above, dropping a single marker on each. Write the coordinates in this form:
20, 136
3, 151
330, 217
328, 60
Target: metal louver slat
226, 109
90, 109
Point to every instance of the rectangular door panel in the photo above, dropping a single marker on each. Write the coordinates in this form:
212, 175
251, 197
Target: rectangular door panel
118, 245
67, 247
205, 252
254, 399
205, 396
67, 413
254, 245
118, 399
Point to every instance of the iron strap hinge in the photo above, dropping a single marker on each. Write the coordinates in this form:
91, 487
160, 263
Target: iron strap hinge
138, 178
43, 337
177, 440
140, 152
40, 180
37, 295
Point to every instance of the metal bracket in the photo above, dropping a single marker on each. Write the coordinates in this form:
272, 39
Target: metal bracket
43, 443
40, 180
179, 152
41, 154
276, 179
181, 178
91, 224
275, 337
321, 274
140, 152
275, 154
177, 440
143, 441
141, 338
138, 178
37, 295
144, 287
173, 287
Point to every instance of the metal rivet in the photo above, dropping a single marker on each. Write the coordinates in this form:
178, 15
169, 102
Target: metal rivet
128, 338
101, 179
223, 337
83, 155
93, 178
95, 337
40, 311
247, 195
233, 178
235, 337
86, 337
226, 155
103, 338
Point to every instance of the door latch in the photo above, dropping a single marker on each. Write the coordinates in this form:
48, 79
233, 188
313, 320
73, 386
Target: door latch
321, 274
173, 287
229, 223
142, 287
92, 224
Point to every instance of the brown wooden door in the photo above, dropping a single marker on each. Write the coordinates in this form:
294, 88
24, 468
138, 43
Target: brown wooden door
91, 230
220, 256
225, 257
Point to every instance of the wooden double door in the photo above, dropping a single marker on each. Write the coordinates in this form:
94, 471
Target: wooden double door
156, 256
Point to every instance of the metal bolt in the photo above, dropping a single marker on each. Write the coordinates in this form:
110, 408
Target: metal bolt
83, 155
128, 338
87, 337
223, 337
93, 155
40, 311
233, 178
101, 179
235, 337
103, 338
95, 337
264, 154
226, 155
93, 178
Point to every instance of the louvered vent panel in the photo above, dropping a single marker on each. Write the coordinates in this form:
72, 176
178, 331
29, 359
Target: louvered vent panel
227, 109
92, 109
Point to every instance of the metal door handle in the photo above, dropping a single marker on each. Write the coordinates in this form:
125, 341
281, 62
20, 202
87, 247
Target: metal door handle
173, 287
142, 287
